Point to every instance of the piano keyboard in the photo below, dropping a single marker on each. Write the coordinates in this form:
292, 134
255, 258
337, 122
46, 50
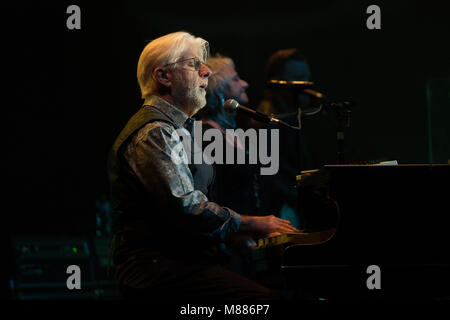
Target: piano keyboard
299, 238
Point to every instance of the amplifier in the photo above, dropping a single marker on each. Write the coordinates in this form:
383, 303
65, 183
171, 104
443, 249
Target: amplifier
41, 268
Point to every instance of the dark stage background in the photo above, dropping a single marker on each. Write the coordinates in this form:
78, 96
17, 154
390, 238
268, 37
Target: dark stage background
71, 91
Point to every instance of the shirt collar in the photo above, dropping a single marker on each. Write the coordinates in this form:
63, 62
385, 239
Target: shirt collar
175, 114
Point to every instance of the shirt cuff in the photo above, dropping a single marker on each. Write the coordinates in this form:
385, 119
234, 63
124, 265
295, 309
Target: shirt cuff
235, 220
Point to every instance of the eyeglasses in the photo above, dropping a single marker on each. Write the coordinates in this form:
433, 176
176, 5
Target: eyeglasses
194, 63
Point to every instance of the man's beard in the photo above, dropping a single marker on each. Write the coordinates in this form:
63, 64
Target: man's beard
195, 98
190, 97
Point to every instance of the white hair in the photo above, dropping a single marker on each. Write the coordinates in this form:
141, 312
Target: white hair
220, 76
162, 51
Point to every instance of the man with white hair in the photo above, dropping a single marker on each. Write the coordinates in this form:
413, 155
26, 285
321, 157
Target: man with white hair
169, 239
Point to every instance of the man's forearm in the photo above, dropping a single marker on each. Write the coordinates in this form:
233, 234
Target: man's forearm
247, 223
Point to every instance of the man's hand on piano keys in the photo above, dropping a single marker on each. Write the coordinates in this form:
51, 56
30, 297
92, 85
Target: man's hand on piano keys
265, 226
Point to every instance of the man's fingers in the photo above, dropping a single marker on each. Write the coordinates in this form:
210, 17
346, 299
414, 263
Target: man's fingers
274, 234
280, 226
284, 221
288, 229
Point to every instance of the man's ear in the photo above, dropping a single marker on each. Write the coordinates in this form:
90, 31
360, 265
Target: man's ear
162, 76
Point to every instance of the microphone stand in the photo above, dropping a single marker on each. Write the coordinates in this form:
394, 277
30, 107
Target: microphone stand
298, 138
343, 116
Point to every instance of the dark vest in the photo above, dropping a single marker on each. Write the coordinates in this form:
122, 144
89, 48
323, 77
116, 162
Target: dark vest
135, 211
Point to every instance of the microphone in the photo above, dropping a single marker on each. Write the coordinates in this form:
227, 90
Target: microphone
232, 105
346, 105
289, 85
315, 94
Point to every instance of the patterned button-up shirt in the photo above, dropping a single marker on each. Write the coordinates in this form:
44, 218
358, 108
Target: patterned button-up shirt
150, 156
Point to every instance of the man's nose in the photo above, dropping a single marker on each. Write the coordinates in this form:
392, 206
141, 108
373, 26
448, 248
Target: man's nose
244, 84
205, 72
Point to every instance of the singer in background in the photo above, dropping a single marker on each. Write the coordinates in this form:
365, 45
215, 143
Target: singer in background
169, 238
235, 185
287, 65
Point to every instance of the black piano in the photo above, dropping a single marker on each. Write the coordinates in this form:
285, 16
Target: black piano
393, 218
